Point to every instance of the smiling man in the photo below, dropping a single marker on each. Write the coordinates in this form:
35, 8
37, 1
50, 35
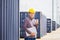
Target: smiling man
31, 24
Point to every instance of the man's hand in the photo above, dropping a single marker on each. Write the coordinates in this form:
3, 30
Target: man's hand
37, 22
32, 34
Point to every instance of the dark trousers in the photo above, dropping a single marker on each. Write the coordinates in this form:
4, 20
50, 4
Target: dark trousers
28, 38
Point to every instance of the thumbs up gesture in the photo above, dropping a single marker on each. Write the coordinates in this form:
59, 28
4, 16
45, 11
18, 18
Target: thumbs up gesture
37, 22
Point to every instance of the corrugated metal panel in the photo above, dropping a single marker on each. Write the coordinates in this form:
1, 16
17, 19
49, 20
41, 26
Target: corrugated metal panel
10, 20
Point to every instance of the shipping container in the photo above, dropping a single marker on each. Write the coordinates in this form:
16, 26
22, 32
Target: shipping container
53, 25
43, 26
58, 25
49, 28
9, 19
23, 15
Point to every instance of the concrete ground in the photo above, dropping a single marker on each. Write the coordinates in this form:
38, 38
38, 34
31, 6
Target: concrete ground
54, 35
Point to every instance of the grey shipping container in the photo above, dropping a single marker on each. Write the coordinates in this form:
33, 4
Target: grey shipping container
43, 26
9, 19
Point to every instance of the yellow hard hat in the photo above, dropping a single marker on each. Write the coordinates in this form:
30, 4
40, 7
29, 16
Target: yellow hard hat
31, 10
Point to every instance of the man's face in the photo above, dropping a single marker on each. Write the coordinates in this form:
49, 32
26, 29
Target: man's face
31, 15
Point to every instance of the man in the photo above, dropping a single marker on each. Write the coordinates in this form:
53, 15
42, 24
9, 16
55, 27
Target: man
30, 24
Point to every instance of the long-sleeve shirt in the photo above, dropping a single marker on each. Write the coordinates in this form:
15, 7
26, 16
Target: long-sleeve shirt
29, 26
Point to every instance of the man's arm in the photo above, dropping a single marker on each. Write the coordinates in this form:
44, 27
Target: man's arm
36, 23
25, 26
32, 34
